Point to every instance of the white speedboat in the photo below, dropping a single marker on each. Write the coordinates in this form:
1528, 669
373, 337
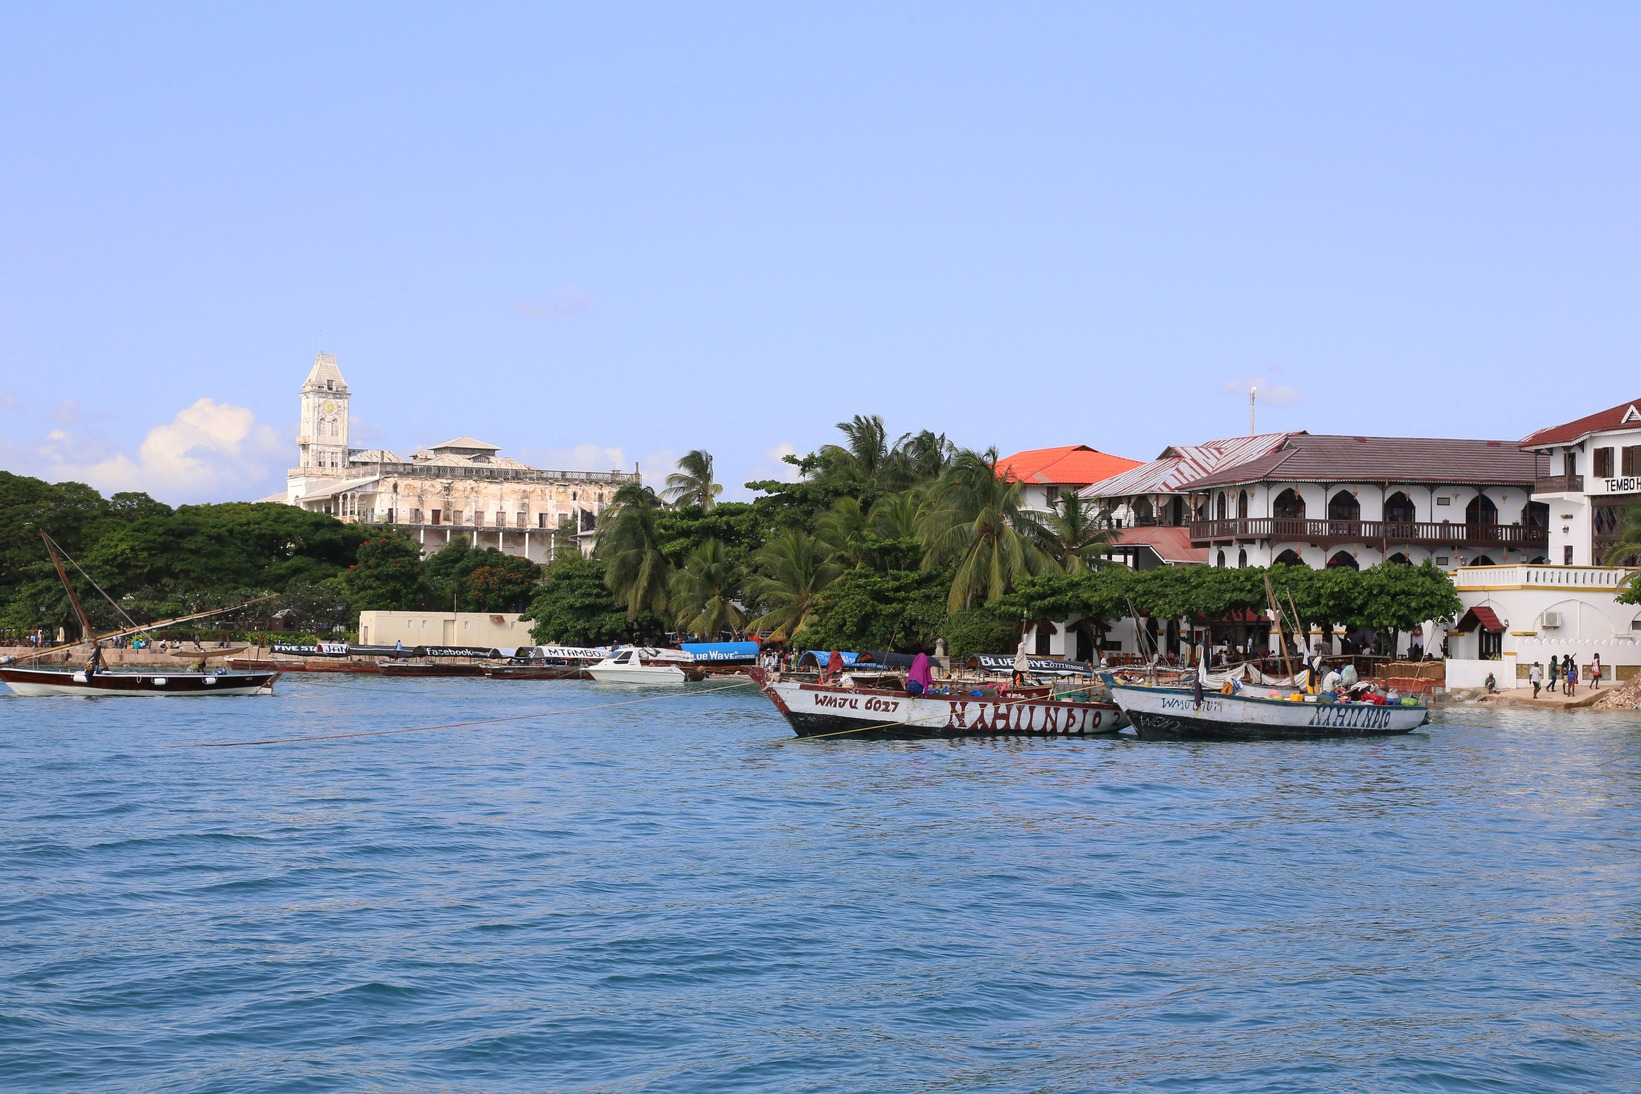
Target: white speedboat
630, 666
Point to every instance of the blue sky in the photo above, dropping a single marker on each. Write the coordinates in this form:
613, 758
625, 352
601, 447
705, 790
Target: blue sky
600, 234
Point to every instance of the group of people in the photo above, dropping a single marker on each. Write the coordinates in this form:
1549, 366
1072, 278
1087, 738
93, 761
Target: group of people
1565, 673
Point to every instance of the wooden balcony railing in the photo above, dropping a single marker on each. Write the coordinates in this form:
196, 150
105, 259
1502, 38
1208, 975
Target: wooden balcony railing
1559, 484
1421, 533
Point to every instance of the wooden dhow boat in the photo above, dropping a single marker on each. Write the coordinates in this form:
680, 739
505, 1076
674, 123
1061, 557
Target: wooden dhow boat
96, 680
1171, 713
819, 709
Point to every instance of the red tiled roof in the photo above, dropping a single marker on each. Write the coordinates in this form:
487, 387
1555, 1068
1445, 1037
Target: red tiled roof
1483, 615
1572, 432
1307, 458
1171, 544
1071, 465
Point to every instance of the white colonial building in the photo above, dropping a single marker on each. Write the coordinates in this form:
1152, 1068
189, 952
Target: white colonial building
1318, 500
1515, 615
462, 488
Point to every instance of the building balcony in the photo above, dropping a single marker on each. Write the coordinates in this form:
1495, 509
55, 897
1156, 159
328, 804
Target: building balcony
1559, 484
1327, 533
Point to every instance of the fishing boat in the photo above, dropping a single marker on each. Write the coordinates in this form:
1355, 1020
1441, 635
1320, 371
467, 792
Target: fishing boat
100, 682
641, 665
96, 680
815, 708
1172, 713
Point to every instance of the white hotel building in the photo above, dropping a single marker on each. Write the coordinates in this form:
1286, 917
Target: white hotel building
462, 488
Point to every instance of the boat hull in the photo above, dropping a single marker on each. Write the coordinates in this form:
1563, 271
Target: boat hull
828, 710
1175, 714
638, 674
35, 682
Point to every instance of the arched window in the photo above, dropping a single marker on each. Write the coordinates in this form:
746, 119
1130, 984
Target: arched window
1219, 506
1481, 510
1289, 557
1535, 514
1400, 559
1399, 509
1242, 559
1482, 560
1343, 560
1221, 562
1344, 506
1288, 506
1242, 505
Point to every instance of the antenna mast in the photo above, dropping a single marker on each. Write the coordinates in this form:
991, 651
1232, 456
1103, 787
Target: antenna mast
1251, 431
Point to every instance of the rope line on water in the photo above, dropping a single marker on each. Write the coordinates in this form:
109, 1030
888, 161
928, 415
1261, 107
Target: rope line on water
456, 725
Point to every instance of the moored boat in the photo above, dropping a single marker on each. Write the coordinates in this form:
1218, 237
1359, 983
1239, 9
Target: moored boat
1166, 713
67, 680
818, 709
636, 665
96, 680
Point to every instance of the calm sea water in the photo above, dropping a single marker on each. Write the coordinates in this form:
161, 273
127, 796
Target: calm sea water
677, 895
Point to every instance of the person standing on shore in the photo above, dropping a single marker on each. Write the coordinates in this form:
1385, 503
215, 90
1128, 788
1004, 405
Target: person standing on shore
1555, 675
1569, 674
1595, 671
1535, 676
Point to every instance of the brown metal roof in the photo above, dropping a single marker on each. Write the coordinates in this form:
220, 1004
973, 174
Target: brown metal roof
1307, 458
1624, 414
1172, 544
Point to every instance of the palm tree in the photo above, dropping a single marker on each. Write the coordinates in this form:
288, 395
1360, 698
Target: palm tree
704, 591
792, 570
841, 531
1626, 551
629, 542
977, 523
1080, 533
919, 457
858, 464
692, 483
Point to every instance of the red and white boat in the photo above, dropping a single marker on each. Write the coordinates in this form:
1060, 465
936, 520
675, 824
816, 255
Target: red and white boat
815, 709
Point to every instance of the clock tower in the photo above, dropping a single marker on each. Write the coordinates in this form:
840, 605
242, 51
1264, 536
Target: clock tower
323, 443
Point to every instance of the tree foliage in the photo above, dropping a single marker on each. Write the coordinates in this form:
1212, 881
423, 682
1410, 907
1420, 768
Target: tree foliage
573, 606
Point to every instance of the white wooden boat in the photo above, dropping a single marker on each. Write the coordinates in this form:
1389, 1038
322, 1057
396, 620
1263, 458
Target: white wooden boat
815, 709
1165, 713
631, 666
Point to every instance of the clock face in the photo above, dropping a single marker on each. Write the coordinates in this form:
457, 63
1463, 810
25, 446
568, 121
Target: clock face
330, 408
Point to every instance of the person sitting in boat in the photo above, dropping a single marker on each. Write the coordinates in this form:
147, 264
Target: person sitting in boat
834, 667
920, 676
1331, 681
96, 661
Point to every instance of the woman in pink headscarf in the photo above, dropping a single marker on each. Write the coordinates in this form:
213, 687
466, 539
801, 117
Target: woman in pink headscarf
920, 676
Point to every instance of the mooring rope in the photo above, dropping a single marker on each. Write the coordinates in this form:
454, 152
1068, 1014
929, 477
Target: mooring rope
693, 692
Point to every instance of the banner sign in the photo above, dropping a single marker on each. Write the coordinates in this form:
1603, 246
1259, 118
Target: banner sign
1003, 662
459, 651
721, 651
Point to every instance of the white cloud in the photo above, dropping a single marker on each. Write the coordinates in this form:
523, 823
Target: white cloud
558, 305
209, 451
582, 457
1269, 391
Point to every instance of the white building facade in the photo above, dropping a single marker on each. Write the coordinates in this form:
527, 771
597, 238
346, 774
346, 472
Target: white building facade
463, 488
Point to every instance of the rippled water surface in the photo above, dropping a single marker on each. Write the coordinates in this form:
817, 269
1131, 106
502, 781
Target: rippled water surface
676, 895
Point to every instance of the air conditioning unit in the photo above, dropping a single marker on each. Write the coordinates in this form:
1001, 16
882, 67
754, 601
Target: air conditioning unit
1551, 620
